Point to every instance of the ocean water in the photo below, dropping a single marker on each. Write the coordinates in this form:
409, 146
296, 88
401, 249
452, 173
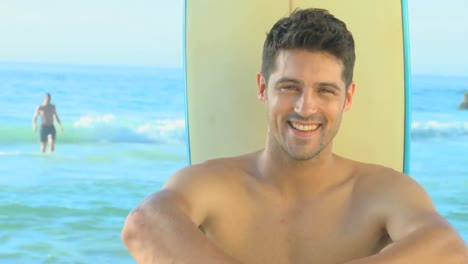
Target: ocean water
439, 144
125, 134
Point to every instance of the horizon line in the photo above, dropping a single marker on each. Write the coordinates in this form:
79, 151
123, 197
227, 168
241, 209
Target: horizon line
122, 65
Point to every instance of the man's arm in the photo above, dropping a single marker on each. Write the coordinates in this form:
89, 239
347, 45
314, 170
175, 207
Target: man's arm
163, 228
58, 119
36, 114
418, 232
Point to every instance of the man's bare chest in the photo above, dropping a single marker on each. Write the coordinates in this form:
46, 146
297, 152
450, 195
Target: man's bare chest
317, 231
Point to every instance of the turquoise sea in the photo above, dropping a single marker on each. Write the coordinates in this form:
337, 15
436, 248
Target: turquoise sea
439, 144
125, 134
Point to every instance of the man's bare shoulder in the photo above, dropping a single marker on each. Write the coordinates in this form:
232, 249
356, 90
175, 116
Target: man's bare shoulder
202, 189
390, 190
384, 178
45, 106
214, 175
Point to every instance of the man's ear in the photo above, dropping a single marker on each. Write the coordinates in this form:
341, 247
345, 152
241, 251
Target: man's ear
261, 88
349, 97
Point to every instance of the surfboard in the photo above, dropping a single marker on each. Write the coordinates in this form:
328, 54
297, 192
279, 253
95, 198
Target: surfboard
223, 45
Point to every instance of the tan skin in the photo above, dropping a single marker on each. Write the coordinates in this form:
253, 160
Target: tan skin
294, 201
48, 112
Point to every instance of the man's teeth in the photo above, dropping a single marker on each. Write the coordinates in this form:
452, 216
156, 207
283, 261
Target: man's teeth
304, 128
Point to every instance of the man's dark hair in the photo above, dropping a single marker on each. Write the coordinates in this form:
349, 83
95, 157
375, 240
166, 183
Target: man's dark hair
313, 30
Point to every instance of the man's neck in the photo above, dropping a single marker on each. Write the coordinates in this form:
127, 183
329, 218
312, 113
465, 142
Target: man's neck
289, 175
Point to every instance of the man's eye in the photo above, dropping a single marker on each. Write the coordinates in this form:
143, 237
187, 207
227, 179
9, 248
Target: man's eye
326, 90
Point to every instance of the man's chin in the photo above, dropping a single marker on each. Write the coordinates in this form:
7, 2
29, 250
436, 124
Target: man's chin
303, 155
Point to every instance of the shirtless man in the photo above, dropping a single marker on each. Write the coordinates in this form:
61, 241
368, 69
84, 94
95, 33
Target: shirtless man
294, 202
47, 111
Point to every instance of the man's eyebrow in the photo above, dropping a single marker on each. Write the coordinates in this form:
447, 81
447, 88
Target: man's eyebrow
289, 80
328, 84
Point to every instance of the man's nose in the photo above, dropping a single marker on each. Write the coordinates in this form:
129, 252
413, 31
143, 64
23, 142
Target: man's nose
306, 104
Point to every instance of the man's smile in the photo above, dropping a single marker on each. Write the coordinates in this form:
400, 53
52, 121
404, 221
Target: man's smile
306, 128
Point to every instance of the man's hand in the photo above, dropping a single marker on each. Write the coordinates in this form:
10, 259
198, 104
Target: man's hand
34, 127
61, 129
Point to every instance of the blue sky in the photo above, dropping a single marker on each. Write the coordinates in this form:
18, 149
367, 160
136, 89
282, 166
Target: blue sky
439, 37
149, 33
125, 32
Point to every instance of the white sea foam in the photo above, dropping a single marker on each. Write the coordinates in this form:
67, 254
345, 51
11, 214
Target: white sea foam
433, 128
109, 128
89, 120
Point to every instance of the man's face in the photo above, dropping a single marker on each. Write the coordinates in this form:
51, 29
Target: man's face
305, 98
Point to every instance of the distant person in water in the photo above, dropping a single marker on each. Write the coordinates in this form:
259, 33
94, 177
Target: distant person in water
47, 111
464, 104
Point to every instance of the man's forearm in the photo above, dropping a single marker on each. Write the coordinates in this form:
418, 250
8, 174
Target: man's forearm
432, 246
166, 235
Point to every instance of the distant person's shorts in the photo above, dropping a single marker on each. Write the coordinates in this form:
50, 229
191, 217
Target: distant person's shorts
47, 130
